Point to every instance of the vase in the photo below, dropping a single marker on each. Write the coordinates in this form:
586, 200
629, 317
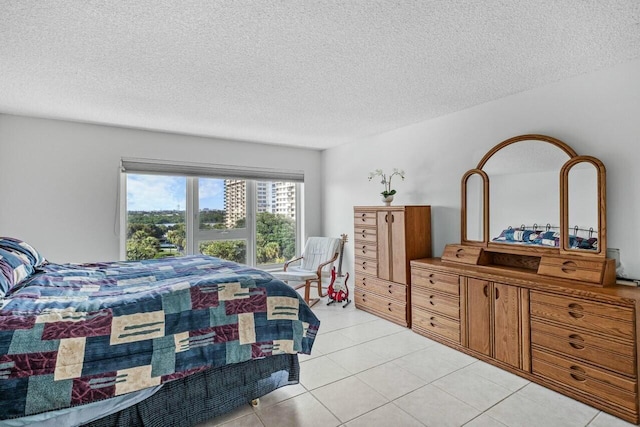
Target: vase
387, 200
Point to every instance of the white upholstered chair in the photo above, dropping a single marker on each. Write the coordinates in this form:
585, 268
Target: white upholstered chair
318, 255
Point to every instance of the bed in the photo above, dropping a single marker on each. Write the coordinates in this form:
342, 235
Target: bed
74, 335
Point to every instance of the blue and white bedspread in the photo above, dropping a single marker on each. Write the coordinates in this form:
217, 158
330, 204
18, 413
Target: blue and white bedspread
72, 334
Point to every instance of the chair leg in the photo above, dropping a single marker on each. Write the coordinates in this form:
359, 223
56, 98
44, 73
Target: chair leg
320, 288
307, 291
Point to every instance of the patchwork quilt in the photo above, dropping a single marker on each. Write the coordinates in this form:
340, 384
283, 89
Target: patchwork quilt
72, 334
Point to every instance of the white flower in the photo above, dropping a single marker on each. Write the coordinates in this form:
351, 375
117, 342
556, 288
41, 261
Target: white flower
386, 182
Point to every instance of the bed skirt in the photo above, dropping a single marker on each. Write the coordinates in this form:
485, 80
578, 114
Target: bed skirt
199, 397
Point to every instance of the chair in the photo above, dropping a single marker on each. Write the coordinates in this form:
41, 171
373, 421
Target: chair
318, 255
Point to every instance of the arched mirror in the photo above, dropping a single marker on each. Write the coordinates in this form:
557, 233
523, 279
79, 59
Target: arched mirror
534, 193
583, 184
474, 193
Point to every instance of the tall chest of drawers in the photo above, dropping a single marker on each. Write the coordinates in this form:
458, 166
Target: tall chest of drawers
385, 240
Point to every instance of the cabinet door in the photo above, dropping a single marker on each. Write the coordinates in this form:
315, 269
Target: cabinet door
384, 245
398, 248
506, 324
479, 315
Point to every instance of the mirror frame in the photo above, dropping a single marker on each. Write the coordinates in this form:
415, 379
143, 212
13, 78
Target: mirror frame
602, 212
485, 207
563, 177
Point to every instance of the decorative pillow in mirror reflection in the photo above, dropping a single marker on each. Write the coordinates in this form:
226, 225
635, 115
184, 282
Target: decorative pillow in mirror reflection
544, 238
576, 242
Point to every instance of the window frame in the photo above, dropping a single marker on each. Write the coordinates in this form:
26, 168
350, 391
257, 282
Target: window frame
192, 211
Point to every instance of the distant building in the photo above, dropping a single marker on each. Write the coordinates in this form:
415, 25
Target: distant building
272, 197
235, 201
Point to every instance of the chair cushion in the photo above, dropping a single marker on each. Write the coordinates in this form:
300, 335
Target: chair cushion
294, 274
319, 250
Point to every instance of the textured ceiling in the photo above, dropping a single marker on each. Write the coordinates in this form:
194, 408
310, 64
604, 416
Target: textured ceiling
314, 73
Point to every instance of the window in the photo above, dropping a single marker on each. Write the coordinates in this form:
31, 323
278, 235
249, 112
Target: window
247, 220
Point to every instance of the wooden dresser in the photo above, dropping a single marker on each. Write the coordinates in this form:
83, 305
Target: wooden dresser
577, 339
385, 240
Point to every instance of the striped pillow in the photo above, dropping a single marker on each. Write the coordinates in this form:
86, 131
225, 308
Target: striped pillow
18, 261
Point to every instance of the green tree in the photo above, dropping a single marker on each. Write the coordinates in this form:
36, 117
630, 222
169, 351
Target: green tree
231, 250
178, 236
149, 229
142, 246
210, 218
276, 238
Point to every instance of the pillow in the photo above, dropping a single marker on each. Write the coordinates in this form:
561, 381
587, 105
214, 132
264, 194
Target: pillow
18, 261
22, 248
548, 238
13, 270
590, 243
516, 235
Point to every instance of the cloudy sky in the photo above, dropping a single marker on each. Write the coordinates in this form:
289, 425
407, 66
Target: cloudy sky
155, 192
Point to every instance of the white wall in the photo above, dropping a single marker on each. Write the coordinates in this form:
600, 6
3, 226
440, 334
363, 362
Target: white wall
596, 114
58, 180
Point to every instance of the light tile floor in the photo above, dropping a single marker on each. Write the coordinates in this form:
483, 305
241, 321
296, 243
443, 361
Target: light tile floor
366, 371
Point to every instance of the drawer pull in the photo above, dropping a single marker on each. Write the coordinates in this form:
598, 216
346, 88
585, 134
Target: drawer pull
578, 374
431, 300
432, 321
569, 267
575, 311
485, 291
460, 253
431, 279
577, 345
389, 307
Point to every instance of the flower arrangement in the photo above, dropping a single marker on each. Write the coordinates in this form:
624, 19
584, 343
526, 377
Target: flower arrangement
386, 181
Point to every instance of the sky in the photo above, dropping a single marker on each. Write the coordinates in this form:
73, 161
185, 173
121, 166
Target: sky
156, 192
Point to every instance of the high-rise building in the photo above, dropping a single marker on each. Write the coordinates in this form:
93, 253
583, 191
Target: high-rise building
263, 190
284, 195
235, 202
272, 197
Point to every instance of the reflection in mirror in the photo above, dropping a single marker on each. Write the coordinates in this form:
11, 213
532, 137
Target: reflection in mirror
524, 182
583, 206
475, 208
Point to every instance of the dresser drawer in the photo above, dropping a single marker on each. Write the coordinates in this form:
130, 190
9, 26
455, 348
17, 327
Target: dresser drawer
448, 283
586, 378
592, 316
381, 287
462, 254
366, 249
364, 218
366, 266
436, 302
435, 323
610, 354
583, 270
385, 307
367, 235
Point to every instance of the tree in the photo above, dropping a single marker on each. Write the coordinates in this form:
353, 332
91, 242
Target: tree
178, 236
231, 250
275, 230
142, 246
149, 229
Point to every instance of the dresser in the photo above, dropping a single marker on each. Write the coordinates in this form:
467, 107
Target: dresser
529, 288
574, 338
386, 238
